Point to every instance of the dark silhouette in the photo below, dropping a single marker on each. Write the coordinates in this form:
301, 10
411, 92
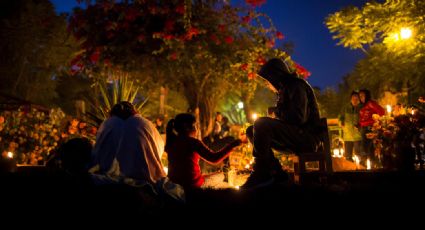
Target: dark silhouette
296, 127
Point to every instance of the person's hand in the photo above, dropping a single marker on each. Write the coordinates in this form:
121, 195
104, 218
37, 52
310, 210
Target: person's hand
243, 138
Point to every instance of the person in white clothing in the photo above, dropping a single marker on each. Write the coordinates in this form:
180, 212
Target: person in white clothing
129, 146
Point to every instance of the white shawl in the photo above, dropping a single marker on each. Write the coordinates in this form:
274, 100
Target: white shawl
130, 149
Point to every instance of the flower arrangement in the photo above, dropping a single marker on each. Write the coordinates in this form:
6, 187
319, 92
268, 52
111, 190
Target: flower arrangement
396, 139
31, 135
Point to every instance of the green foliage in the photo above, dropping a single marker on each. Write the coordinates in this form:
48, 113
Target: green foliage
392, 62
120, 88
34, 46
330, 102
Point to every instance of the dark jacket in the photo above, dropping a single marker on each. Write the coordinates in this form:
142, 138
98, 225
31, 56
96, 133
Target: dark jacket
296, 104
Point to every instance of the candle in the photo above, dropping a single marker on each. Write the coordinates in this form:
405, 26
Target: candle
389, 109
357, 160
368, 164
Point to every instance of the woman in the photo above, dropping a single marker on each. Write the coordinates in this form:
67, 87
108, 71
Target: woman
369, 108
349, 120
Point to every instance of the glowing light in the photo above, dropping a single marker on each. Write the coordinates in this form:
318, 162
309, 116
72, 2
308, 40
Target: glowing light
389, 109
405, 33
338, 153
9, 154
254, 116
166, 170
237, 187
357, 160
240, 105
368, 164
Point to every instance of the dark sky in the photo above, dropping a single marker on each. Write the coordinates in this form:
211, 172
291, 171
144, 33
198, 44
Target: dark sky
302, 22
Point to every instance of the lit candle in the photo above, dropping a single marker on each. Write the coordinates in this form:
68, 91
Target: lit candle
368, 164
166, 170
389, 109
336, 153
10, 155
357, 160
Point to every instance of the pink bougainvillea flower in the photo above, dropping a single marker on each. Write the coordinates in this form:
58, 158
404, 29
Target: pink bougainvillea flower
279, 35
180, 9
191, 33
94, 57
214, 38
302, 71
169, 25
244, 67
168, 36
228, 40
255, 3
270, 43
261, 60
246, 19
173, 56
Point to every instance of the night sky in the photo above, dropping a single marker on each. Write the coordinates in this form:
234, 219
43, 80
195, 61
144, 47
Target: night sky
302, 23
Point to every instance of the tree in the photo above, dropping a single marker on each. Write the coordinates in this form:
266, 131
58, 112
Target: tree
34, 47
392, 36
202, 47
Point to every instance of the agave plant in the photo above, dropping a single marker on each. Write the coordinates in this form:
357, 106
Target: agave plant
121, 88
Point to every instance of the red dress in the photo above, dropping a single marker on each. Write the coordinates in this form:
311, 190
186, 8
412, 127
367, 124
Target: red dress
183, 160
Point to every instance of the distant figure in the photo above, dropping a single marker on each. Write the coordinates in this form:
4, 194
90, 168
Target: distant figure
349, 120
369, 108
184, 152
159, 124
296, 126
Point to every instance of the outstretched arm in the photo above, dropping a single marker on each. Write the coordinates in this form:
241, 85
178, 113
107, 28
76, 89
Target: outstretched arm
211, 156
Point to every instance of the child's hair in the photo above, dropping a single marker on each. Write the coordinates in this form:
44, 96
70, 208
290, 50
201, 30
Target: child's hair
182, 123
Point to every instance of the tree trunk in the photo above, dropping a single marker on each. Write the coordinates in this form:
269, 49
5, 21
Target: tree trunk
162, 96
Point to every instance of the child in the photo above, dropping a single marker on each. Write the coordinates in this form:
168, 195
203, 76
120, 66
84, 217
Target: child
184, 151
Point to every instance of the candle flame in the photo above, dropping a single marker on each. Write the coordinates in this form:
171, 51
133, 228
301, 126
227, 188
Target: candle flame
368, 164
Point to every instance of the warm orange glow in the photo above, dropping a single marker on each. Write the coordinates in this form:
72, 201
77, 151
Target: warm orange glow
368, 164
389, 109
254, 116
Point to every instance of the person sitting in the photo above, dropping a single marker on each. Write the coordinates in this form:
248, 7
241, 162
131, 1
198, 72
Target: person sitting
184, 152
129, 146
296, 126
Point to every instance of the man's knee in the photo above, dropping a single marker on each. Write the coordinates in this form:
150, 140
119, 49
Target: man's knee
262, 124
